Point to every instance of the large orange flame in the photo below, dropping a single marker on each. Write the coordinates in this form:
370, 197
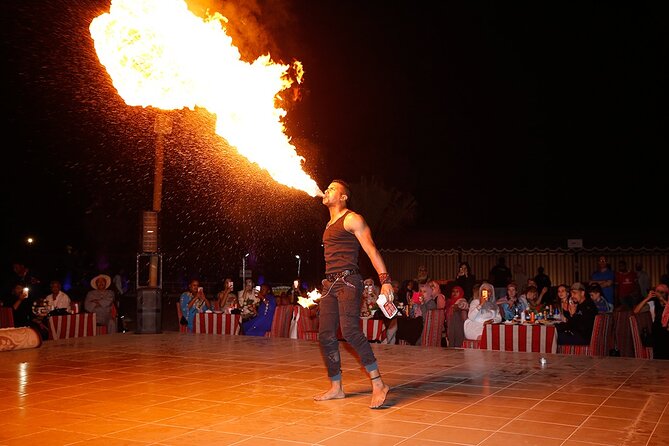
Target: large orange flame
160, 54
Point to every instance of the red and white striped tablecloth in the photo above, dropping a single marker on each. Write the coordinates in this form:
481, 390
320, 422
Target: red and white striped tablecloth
72, 326
374, 329
217, 323
538, 338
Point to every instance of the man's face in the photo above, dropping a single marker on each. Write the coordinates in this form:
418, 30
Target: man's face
55, 287
193, 286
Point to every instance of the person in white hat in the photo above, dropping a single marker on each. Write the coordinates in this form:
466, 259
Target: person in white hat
100, 301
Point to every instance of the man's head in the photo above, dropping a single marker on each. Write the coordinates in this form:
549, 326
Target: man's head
577, 292
55, 286
338, 192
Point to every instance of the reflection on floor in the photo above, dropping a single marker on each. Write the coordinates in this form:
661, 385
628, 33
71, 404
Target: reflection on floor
185, 389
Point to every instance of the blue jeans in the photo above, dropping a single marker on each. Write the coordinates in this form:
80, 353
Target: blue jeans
341, 306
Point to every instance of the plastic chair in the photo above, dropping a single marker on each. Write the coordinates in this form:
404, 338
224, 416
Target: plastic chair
599, 342
6, 317
307, 323
639, 322
281, 322
433, 328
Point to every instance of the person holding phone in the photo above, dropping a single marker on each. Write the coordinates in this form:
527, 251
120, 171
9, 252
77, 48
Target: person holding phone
193, 301
344, 235
482, 310
248, 300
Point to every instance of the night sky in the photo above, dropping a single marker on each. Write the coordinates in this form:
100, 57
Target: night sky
526, 119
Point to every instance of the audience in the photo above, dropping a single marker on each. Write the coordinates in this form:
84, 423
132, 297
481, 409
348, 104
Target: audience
227, 298
510, 305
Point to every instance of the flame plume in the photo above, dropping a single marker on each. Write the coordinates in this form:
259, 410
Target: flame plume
160, 54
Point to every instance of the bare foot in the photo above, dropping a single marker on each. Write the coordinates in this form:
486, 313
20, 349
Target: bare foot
332, 394
379, 394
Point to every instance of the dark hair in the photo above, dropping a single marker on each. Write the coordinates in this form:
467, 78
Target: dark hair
347, 188
596, 287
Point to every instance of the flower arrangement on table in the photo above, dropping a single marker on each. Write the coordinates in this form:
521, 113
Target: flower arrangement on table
370, 310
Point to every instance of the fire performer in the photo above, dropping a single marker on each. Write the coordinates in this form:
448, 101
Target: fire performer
344, 234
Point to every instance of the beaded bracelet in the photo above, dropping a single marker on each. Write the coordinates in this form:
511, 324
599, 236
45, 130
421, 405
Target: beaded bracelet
384, 278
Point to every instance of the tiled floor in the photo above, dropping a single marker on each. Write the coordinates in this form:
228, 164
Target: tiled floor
185, 389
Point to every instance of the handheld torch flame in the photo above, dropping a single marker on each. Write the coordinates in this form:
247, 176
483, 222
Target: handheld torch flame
311, 301
160, 54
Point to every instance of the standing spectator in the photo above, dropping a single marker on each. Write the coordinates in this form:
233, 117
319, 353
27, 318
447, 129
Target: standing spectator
605, 277
642, 278
24, 277
664, 278
520, 277
500, 276
101, 301
57, 298
262, 322
422, 276
580, 317
660, 316
465, 279
626, 286
121, 282
192, 301
543, 282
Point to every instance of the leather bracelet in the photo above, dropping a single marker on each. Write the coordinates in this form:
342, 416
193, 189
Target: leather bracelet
384, 278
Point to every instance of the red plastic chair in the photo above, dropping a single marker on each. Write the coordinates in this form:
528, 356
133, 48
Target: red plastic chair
599, 342
281, 322
636, 322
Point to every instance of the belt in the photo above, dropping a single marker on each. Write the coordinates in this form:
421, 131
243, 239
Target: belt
347, 272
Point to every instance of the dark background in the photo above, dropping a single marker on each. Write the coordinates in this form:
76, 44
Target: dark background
522, 124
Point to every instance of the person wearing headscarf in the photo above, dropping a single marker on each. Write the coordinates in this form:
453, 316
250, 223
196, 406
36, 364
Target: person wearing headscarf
482, 310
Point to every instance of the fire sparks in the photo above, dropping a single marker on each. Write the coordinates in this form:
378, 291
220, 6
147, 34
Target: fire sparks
311, 301
159, 54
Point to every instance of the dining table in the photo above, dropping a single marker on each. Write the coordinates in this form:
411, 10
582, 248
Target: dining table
217, 323
373, 329
520, 337
75, 325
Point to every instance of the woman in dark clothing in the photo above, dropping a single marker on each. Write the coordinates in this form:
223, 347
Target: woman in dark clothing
466, 280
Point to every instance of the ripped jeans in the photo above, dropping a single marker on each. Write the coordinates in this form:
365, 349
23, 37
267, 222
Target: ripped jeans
341, 306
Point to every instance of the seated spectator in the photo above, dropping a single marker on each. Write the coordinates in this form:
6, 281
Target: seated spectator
510, 305
482, 310
295, 292
21, 303
101, 301
597, 296
435, 290
562, 303
261, 322
410, 329
192, 301
227, 298
369, 295
456, 301
247, 299
656, 302
580, 317
532, 300
57, 299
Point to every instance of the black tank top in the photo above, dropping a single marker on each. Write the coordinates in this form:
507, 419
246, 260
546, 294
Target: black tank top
341, 248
